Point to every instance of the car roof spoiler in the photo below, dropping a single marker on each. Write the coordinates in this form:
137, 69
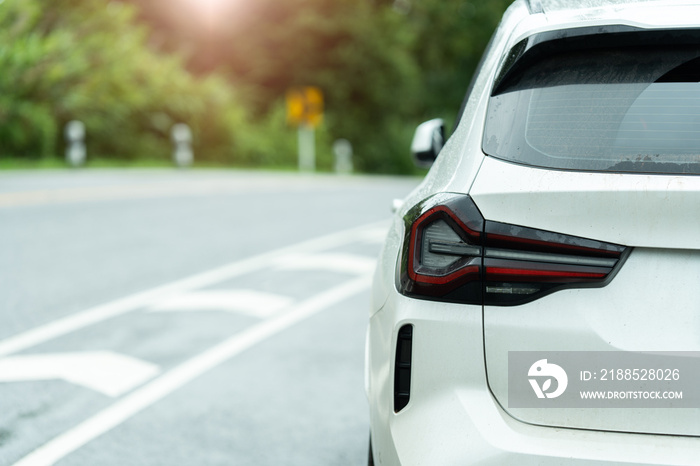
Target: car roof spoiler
549, 43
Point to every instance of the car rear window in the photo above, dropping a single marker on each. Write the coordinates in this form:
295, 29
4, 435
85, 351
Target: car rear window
626, 109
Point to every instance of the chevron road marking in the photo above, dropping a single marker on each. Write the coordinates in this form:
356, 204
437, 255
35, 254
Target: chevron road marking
249, 302
142, 398
109, 373
100, 313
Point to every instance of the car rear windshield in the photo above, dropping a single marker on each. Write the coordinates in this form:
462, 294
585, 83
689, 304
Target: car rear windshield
626, 109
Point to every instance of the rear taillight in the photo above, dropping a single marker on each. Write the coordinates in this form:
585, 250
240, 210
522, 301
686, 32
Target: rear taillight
452, 254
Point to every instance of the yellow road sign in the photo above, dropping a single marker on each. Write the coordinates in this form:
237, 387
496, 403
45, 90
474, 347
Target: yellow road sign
305, 106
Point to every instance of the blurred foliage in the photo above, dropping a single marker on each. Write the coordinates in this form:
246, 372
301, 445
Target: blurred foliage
383, 65
451, 36
88, 60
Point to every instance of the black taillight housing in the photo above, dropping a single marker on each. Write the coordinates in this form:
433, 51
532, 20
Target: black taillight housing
451, 253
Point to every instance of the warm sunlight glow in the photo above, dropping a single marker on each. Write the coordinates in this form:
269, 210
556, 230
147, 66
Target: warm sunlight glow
211, 11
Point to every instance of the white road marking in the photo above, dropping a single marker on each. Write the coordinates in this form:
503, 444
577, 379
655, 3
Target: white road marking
333, 262
122, 410
121, 306
106, 372
254, 303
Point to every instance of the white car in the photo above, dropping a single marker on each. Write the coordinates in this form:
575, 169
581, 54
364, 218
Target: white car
537, 300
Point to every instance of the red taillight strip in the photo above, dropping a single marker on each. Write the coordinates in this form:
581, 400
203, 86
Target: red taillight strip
550, 258
500, 272
416, 235
445, 279
544, 244
500, 264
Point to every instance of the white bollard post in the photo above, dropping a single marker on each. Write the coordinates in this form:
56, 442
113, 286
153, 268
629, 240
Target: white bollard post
342, 149
307, 148
182, 140
75, 143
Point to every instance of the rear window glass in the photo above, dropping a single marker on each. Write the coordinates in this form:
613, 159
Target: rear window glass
632, 109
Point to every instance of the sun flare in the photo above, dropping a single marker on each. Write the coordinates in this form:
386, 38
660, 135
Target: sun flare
210, 11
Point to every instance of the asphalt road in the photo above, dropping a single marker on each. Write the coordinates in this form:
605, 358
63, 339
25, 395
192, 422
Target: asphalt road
186, 318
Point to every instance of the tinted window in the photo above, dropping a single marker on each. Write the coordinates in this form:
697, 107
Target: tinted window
626, 110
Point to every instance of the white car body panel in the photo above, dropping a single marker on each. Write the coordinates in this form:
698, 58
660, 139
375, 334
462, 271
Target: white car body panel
650, 211
458, 414
453, 411
652, 304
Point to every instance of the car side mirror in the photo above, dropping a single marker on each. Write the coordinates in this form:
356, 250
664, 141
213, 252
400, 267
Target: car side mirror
427, 142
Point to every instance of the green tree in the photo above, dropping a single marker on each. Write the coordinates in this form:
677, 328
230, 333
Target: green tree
450, 40
88, 60
384, 65
26, 124
356, 51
